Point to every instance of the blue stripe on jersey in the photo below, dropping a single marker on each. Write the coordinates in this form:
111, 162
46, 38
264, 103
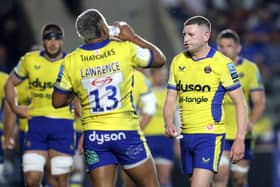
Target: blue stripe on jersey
42, 53
18, 76
59, 76
131, 95
151, 60
210, 54
93, 46
216, 106
257, 89
171, 87
240, 61
233, 87
59, 90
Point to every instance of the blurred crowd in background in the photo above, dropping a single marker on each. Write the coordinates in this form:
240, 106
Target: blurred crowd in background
256, 21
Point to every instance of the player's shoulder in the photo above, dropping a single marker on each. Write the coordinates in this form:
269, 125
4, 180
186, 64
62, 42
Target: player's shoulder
3, 75
220, 58
139, 74
249, 63
180, 57
33, 54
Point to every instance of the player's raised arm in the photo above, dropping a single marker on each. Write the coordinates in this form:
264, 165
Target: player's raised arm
127, 33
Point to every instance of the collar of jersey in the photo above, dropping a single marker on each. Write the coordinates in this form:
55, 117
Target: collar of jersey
240, 61
209, 55
42, 54
93, 46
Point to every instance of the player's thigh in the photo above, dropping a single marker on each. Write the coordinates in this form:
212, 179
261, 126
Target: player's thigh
127, 181
144, 173
103, 176
164, 171
201, 177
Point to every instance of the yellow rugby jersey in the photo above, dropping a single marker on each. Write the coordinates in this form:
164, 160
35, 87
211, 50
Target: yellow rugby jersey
156, 125
3, 79
24, 98
250, 79
41, 75
141, 86
100, 75
201, 85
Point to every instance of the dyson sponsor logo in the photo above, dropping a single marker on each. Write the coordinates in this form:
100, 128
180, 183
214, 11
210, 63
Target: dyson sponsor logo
106, 137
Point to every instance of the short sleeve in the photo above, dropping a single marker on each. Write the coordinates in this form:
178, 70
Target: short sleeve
171, 80
256, 82
21, 68
229, 77
63, 83
142, 57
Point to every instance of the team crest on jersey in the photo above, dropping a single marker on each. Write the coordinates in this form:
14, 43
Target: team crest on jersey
241, 75
101, 81
207, 69
37, 67
182, 68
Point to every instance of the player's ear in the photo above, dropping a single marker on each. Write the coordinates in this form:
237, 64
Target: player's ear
239, 48
104, 31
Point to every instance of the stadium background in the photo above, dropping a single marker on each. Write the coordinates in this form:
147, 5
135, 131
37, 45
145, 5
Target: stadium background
161, 21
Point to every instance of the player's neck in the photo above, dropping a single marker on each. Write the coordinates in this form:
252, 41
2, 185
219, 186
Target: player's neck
202, 52
235, 60
53, 58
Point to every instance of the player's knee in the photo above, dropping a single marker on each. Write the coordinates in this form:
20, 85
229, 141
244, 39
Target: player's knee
224, 161
239, 177
242, 170
239, 181
33, 162
61, 165
77, 177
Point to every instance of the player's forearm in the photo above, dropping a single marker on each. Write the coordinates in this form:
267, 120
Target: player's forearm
9, 120
241, 118
168, 113
257, 109
145, 119
10, 95
159, 57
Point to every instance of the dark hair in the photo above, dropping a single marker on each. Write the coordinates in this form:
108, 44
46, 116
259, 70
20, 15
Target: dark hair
198, 20
228, 33
88, 24
52, 27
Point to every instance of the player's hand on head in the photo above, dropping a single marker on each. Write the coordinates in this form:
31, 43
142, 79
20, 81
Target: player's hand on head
126, 31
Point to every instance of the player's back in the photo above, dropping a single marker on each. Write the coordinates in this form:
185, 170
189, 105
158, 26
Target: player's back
101, 75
